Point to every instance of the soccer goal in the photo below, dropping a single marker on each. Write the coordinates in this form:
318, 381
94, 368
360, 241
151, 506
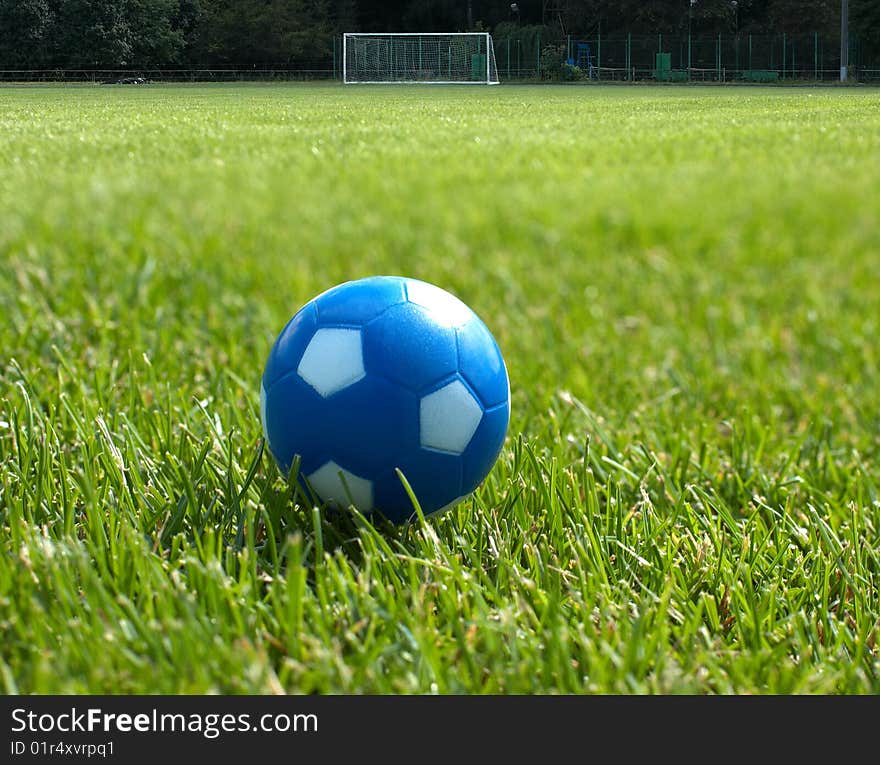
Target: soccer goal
437, 59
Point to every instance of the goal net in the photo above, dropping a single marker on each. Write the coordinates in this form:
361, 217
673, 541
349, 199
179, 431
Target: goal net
450, 58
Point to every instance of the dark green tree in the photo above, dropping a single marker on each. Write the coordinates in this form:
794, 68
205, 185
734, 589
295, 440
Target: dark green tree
865, 21
154, 33
25, 29
436, 16
91, 34
345, 16
261, 32
156, 36
803, 16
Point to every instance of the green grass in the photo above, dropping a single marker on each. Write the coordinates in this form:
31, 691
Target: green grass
683, 281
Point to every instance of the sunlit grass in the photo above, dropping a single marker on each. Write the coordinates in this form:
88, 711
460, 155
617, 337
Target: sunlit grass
683, 282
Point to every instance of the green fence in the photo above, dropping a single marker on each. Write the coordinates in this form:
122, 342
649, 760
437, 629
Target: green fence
534, 55
677, 57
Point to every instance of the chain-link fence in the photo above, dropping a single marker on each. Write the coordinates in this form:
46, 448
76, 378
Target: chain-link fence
535, 57
683, 57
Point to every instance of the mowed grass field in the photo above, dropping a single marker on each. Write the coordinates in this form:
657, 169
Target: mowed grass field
685, 283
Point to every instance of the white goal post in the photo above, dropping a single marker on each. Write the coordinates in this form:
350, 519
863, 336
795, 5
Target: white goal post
436, 58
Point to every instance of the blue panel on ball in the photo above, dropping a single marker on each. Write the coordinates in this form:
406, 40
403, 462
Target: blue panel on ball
370, 424
290, 345
481, 364
295, 424
356, 303
406, 346
483, 450
434, 478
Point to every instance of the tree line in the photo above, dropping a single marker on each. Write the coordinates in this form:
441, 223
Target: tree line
67, 34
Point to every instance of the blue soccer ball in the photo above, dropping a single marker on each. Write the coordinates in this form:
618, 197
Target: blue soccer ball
381, 374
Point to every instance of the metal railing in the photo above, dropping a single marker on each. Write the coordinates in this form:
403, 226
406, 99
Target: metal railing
660, 57
214, 74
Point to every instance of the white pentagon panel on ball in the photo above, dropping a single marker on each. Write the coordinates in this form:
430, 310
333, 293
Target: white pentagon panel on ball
333, 360
444, 307
448, 418
336, 485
